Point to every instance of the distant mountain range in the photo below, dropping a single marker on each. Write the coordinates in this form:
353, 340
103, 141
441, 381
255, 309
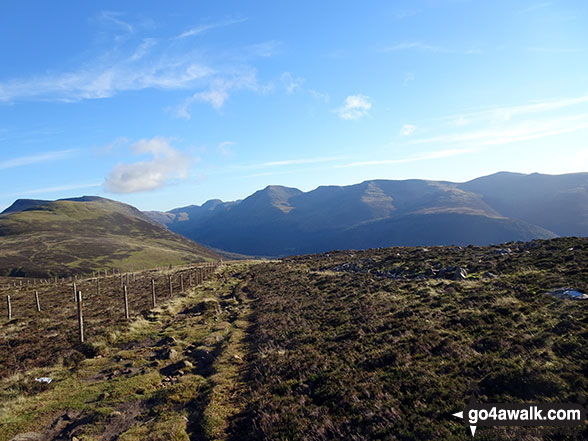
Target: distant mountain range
278, 221
82, 235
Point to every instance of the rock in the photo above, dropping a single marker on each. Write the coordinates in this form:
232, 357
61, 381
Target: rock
568, 293
166, 354
176, 369
460, 274
489, 275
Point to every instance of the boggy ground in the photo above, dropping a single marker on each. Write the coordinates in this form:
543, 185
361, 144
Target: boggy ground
337, 346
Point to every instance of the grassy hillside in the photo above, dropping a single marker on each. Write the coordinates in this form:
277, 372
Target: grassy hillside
382, 344
85, 235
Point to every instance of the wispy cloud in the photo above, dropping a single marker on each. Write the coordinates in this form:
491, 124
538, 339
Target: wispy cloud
408, 129
507, 134
224, 148
208, 26
503, 125
35, 159
105, 79
421, 157
354, 107
556, 50
534, 7
416, 45
48, 190
288, 162
167, 164
140, 62
115, 18
219, 91
291, 83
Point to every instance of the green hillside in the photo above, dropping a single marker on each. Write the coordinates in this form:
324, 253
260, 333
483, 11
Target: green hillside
85, 235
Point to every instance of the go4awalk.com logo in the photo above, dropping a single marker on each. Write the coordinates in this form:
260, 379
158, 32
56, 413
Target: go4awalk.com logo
526, 414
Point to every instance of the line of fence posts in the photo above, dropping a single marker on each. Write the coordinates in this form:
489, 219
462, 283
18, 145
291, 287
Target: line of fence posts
200, 274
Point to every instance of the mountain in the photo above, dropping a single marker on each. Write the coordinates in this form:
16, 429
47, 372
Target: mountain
278, 221
82, 235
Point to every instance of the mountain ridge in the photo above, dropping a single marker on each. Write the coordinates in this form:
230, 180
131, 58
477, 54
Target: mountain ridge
279, 220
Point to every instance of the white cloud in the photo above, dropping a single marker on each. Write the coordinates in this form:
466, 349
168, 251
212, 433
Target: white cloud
35, 159
408, 129
167, 164
355, 107
206, 27
291, 83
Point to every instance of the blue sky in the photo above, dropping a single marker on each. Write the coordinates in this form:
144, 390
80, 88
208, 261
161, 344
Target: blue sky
164, 106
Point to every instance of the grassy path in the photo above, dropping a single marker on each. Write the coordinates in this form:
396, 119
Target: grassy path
173, 375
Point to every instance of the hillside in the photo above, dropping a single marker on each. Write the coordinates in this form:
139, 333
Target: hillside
82, 235
279, 221
381, 344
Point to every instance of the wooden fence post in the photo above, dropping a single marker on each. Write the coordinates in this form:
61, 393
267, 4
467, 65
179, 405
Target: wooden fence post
80, 316
74, 291
9, 306
37, 301
190, 277
126, 301
153, 303
171, 292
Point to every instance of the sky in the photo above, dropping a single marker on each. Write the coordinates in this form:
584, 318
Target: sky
163, 105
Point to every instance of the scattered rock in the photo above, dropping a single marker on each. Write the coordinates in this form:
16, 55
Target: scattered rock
489, 275
460, 273
568, 293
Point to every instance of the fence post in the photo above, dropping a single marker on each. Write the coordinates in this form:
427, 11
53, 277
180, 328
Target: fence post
171, 292
37, 301
153, 293
80, 316
190, 277
74, 291
9, 306
126, 301
181, 283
